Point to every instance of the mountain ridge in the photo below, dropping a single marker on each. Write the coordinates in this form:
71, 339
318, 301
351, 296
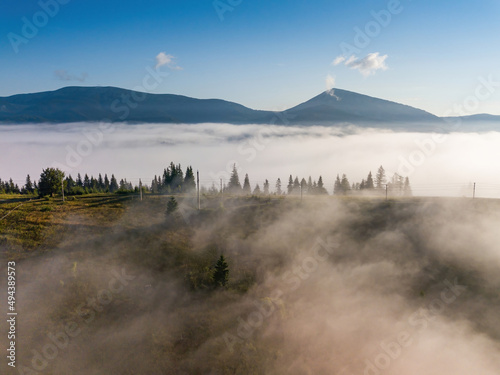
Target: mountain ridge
107, 103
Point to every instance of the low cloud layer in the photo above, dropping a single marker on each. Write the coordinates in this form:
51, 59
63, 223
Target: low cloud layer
446, 165
340, 287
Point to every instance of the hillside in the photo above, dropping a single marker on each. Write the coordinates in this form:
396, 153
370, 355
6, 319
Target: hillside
74, 104
345, 106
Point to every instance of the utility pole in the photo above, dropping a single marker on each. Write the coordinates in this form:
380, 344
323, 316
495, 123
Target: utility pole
386, 189
198, 184
140, 187
474, 191
301, 191
62, 187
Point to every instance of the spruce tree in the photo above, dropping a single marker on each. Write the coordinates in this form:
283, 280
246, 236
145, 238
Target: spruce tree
344, 184
266, 187
221, 272
234, 186
113, 185
171, 206
320, 189
337, 188
106, 183
369, 181
189, 181
278, 187
79, 181
290, 185
246, 185
28, 186
380, 179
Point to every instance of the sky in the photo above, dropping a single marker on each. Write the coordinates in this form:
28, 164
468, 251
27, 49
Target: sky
438, 56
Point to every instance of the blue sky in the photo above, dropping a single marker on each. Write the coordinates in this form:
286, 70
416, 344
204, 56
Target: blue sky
263, 54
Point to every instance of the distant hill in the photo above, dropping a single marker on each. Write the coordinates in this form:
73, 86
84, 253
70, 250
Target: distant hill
90, 104
73, 104
338, 105
482, 117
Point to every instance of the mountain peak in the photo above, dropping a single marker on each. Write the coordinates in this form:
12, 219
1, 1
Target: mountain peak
77, 103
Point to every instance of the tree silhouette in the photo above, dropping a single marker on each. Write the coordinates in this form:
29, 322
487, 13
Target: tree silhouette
278, 187
369, 181
189, 182
221, 272
380, 179
290, 185
337, 188
171, 206
234, 185
51, 181
266, 187
28, 186
246, 185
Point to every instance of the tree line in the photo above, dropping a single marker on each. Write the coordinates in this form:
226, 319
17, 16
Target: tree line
173, 180
397, 185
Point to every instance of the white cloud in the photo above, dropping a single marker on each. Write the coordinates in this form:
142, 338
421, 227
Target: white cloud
338, 60
163, 59
350, 60
64, 75
367, 65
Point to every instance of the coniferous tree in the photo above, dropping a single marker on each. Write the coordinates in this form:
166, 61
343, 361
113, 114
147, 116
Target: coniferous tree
256, 191
154, 185
234, 186
380, 179
168, 175
296, 186
171, 206
303, 186
189, 181
106, 183
344, 185
28, 186
86, 181
278, 187
369, 182
266, 187
70, 184
320, 188
113, 184
290, 185
177, 179
221, 272
246, 185
397, 184
79, 181
100, 183
337, 188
